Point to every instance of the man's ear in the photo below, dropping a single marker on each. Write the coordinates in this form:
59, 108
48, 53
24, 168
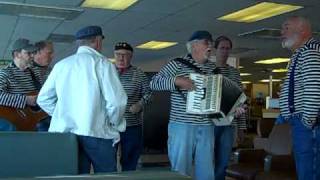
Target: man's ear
98, 43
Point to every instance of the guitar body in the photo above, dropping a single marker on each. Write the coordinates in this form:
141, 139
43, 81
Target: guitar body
24, 119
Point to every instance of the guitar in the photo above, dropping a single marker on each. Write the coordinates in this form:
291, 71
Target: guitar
24, 119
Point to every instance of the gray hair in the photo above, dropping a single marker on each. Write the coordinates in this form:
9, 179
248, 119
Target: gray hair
189, 45
302, 22
86, 42
42, 44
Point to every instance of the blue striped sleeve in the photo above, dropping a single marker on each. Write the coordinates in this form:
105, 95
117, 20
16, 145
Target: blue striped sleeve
165, 79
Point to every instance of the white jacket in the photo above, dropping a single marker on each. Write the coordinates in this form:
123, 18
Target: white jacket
84, 96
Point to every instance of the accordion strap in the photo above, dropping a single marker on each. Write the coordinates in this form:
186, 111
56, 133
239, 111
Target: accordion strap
189, 64
195, 68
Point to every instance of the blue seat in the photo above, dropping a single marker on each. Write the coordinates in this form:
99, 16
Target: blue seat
29, 154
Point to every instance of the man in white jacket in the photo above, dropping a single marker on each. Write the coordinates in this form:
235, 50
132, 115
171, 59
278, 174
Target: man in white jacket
84, 96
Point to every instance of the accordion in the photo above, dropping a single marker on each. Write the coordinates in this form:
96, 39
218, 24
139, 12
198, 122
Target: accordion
215, 96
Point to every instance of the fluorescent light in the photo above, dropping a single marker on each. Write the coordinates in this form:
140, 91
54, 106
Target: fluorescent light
279, 70
245, 74
108, 4
155, 45
112, 60
259, 11
273, 80
273, 61
240, 67
245, 82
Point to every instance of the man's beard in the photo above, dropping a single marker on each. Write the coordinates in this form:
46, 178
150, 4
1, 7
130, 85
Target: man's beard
288, 43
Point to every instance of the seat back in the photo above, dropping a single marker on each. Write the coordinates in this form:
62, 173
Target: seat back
264, 127
29, 154
279, 140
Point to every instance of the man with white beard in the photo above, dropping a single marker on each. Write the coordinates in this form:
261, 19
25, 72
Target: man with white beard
190, 136
300, 96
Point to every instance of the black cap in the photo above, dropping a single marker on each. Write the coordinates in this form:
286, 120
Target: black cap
25, 44
123, 45
89, 31
199, 35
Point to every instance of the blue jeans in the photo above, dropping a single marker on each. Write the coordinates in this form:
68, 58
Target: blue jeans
6, 125
98, 152
188, 144
131, 147
306, 148
224, 137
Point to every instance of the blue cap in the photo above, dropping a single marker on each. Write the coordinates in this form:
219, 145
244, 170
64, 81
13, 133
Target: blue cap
199, 35
89, 31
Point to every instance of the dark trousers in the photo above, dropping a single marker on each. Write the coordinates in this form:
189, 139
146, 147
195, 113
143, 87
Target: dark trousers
131, 147
43, 125
98, 152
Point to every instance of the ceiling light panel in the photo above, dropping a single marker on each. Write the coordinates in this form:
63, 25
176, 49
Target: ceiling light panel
279, 70
112, 60
246, 82
245, 74
273, 61
258, 12
156, 45
108, 4
266, 33
38, 11
267, 80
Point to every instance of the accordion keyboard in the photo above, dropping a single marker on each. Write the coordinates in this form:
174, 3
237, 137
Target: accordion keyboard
203, 99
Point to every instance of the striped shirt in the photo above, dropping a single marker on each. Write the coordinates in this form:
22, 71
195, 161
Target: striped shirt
165, 81
136, 85
16, 83
306, 83
44, 70
234, 75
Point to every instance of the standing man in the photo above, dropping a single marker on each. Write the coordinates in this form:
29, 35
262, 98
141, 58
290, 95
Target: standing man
84, 96
43, 55
300, 95
19, 79
136, 85
224, 135
190, 136
42, 58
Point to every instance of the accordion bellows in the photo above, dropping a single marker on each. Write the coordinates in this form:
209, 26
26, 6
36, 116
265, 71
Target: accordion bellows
215, 96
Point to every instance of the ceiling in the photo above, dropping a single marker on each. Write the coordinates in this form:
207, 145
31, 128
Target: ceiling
166, 20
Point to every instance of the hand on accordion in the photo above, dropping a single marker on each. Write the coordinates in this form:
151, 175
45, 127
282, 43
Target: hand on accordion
135, 108
239, 111
184, 83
